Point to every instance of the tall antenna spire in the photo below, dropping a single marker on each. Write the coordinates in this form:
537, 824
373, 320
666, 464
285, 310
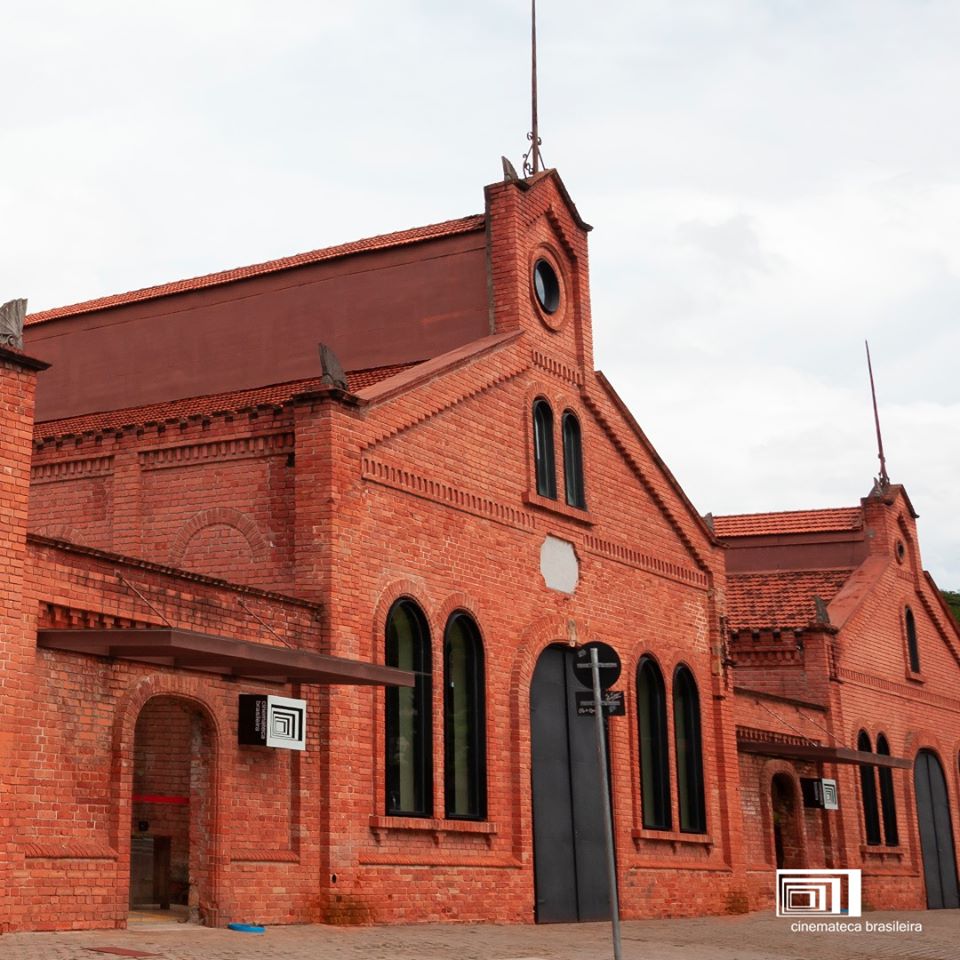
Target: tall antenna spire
532, 161
884, 479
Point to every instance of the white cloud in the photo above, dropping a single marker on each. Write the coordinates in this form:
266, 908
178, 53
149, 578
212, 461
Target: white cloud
771, 181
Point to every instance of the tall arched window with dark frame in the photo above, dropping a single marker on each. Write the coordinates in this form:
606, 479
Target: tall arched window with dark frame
888, 802
913, 650
543, 456
868, 793
689, 747
573, 461
464, 725
409, 765
654, 757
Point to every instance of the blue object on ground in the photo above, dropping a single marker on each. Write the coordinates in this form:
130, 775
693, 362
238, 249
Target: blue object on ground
246, 927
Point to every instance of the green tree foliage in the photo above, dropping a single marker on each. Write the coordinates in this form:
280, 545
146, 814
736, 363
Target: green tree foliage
953, 601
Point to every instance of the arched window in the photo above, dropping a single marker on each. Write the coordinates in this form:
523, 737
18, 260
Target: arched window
868, 792
686, 728
573, 461
464, 740
654, 761
543, 449
891, 835
912, 649
409, 771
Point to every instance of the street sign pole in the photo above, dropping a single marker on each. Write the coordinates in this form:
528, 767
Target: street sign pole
605, 787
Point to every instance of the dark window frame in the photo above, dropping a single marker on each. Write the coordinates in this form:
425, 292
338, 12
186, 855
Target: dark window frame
868, 794
573, 460
477, 745
419, 702
888, 800
688, 745
655, 810
544, 457
913, 650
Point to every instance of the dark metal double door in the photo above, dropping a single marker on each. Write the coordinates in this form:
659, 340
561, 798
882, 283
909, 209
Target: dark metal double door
568, 837
936, 832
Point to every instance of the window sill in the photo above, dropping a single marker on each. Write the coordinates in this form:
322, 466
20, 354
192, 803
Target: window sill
915, 677
383, 824
673, 837
558, 507
878, 852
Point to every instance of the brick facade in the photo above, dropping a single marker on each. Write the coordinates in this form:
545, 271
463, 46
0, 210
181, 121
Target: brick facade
297, 514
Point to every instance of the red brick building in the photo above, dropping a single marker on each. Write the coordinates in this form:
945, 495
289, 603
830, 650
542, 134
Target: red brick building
203, 506
846, 664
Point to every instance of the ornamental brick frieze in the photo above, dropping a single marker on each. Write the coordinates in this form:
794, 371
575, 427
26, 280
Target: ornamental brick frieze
237, 448
71, 469
448, 494
630, 557
557, 368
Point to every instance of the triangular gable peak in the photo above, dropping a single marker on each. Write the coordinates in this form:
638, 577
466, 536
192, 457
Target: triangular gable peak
539, 268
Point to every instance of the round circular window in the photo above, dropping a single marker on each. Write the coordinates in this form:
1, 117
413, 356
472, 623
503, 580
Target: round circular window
546, 285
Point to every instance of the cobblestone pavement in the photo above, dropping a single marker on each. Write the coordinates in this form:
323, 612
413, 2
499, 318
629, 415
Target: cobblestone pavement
758, 936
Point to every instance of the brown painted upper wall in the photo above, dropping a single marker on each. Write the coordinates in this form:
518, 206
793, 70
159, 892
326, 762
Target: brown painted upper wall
375, 309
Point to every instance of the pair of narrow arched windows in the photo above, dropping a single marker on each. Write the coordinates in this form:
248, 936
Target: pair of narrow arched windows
543, 455
409, 729
868, 794
654, 757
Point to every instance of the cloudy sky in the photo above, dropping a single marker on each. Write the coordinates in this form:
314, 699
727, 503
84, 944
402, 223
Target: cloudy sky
770, 184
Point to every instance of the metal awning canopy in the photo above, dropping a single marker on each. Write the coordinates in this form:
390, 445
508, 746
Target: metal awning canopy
819, 753
234, 658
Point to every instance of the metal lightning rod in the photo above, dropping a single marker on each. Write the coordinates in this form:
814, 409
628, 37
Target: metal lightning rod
884, 476
532, 160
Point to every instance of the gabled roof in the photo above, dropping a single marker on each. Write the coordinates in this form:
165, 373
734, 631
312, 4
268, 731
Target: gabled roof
178, 410
383, 242
837, 519
779, 601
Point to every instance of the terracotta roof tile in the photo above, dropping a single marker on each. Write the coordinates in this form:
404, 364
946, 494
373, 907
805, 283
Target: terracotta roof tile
176, 410
784, 600
383, 242
791, 521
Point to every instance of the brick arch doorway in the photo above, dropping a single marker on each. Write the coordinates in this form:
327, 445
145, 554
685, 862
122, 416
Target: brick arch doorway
569, 855
787, 832
172, 811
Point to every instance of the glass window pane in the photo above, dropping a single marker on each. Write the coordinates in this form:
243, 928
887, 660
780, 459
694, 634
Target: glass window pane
654, 768
464, 739
408, 762
868, 793
573, 461
543, 450
686, 722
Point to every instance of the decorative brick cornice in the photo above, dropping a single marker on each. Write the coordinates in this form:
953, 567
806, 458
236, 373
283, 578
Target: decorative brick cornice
759, 735
235, 448
643, 561
448, 494
71, 469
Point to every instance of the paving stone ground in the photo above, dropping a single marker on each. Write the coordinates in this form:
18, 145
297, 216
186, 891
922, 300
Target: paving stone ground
758, 936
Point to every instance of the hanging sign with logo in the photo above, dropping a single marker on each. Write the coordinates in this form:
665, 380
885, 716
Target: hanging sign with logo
268, 721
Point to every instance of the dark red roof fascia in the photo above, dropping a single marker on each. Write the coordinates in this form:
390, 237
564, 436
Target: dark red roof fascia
385, 241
